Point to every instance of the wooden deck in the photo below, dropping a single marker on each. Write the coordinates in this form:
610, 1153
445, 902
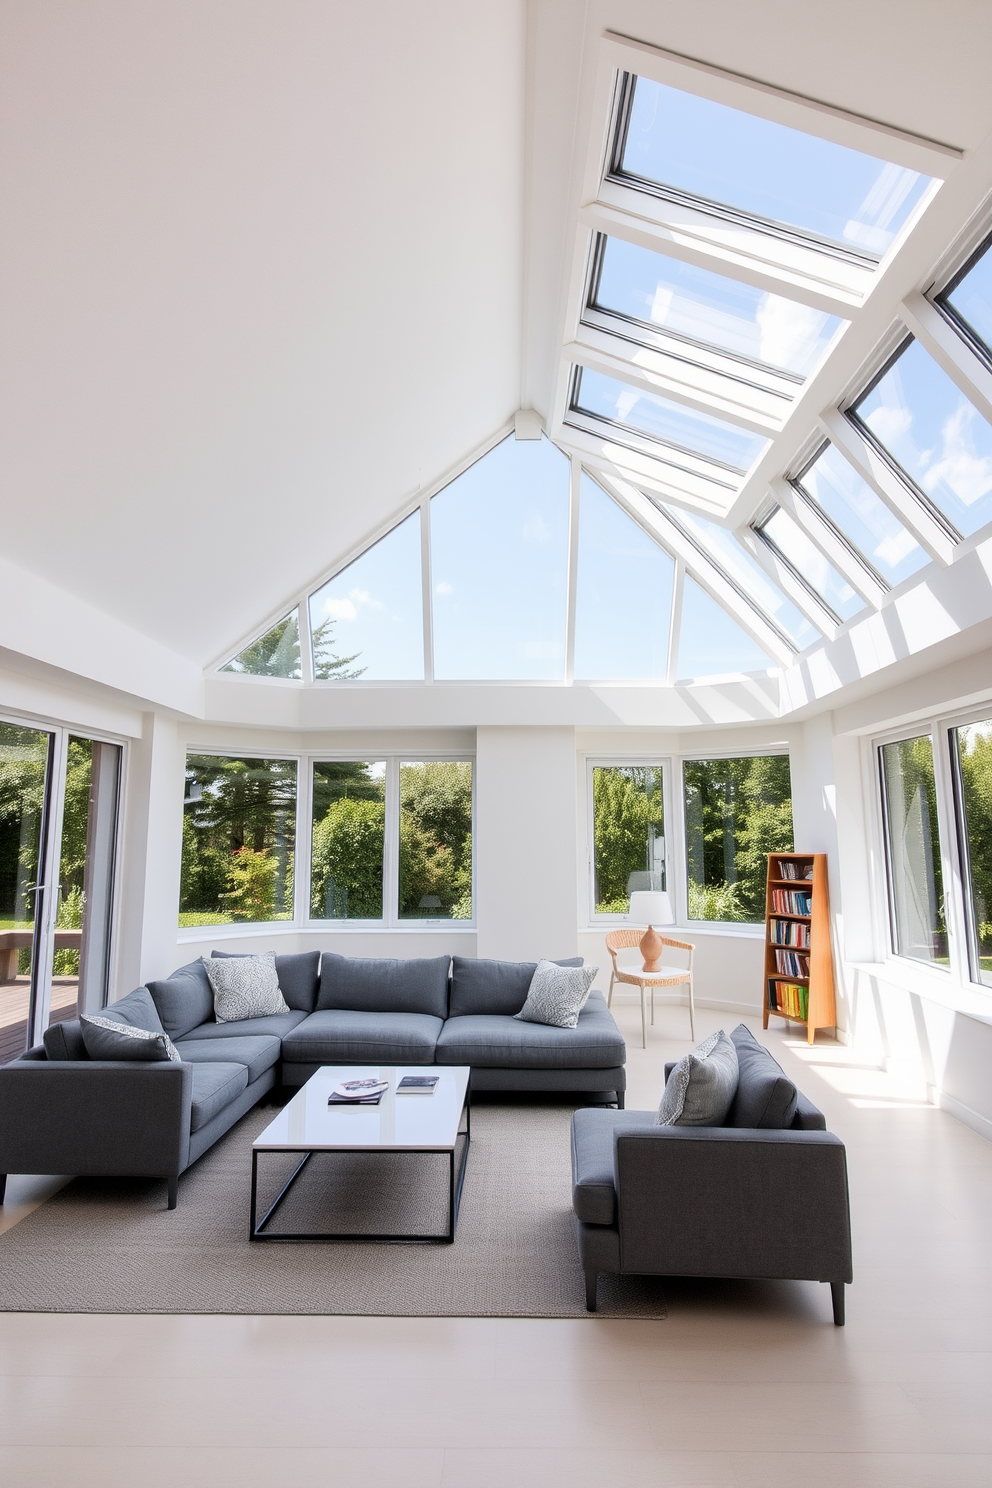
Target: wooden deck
14, 998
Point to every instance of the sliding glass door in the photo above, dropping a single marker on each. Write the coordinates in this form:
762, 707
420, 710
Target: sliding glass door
26, 760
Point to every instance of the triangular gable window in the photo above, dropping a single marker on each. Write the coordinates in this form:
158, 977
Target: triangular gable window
275, 654
368, 620
710, 642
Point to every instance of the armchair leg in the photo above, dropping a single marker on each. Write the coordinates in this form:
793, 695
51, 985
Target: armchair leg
837, 1297
621, 1098
592, 1277
173, 1192
3, 1186
609, 995
644, 1024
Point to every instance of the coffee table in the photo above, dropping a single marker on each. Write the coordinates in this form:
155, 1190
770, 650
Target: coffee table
399, 1123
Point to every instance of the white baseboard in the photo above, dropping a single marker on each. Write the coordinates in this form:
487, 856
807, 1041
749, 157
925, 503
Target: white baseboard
978, 1123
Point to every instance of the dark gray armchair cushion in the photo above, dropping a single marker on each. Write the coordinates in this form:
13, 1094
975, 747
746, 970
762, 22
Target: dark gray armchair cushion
382, 985
298, 974
343, 1036
256, 1054
766, 1097
138, 1009
183, 999
503, 1042
65, 1040
215, 1086
594, 1196
116, 1038
479, 987
276, 1025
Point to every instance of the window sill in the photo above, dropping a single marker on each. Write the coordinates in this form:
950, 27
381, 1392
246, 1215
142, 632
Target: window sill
735, 930
291, 927
933, 985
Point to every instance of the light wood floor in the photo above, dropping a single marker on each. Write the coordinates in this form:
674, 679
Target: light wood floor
740, 1386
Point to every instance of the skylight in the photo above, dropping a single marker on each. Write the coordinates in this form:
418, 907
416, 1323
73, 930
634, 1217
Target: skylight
499, 566
275, 654
940, 440
623, 594
368, 620
787, 538
861, 516
710, 642
720, 155
664, 422
968, 298
706, 309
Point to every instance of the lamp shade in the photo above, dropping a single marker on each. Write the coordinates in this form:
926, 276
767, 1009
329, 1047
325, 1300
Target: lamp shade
651, 907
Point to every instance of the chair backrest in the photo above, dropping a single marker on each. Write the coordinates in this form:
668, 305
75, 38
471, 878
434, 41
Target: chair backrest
622, 940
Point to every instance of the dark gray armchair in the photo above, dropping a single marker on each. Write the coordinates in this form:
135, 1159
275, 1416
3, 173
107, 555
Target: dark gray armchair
734, 1201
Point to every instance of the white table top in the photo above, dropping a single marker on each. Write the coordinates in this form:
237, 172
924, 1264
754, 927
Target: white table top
632, 962
398, 1122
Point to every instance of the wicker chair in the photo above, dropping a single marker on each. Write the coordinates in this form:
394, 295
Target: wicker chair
665, 976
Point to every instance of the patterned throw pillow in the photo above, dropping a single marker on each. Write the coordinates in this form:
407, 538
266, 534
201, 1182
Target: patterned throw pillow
557, 994
245, 987
702, 1086
110, 1038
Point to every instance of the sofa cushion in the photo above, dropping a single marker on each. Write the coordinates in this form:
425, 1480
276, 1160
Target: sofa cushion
381, 985
276, 1026
115, 1038
65, 1040
183, 999
557, 994
245, 987
138, 1009
594, 1196
256, 1054
496, 1041
702, 1085
341, 1036
215, 1086
500, 987
298, 975
766, 1097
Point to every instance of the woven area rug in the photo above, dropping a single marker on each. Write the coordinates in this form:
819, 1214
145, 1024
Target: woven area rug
102, 1245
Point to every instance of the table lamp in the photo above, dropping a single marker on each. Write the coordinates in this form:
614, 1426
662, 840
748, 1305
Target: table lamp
651, 907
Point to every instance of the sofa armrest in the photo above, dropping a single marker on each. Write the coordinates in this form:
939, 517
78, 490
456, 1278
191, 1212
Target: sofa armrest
95, 1117
732, 1201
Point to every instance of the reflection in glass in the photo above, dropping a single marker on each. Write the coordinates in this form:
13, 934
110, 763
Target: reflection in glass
368, 621
628, 816
436, 840
710, 309
974, 765
971, 299
23, 776
801, 553
710, 642
275, 654
239, 826
499, 565
767, 170
736, 812
916, 890
670, 423
726, 552
862, 516
348, 841
938, 438
623, 607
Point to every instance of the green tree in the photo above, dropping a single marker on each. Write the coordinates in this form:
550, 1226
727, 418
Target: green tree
975, 755
347, 860
436, 840
234, 804
252, 878
327, 665
627, 805
737, 811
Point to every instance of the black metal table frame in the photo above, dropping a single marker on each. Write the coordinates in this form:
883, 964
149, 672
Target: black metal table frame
455, 1183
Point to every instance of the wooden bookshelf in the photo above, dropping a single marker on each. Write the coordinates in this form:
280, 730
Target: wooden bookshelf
797, 936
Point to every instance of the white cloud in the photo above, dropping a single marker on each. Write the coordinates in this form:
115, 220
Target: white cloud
786, 331
889, 424
363, 597
340, 609
968, 475
444, 588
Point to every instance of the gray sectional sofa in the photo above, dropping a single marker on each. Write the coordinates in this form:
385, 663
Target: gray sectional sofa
62, 1112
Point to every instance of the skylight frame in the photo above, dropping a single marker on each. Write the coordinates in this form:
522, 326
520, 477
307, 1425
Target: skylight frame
941, 303
784, 563
856, 567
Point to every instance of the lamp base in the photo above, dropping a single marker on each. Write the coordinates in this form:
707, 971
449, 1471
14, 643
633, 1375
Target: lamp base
651, 948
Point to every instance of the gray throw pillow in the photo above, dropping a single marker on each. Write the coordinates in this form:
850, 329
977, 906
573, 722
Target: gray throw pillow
245, 987
702, 1086
557, 994
110, 1038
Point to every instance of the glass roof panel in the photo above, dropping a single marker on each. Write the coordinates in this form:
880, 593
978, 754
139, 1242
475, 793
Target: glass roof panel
801, 553
623, 608
862, 516
499, 566
767, 170
727, 553
711, 309
971, 299
368, 621
672, 424
938, 438
710, 642
275, 654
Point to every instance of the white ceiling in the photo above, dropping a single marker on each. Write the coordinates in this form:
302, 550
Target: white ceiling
269, 267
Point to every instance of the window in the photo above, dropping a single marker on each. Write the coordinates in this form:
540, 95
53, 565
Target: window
239, 826
912, 838
435, 840
967, 300
736, 812
848, 501
275, 654
652, 291
971, 747
786, 538
623, 594
628, 816
499, 566
368, 621
777, 175
348, 840
674, 425
710, 642
920, 419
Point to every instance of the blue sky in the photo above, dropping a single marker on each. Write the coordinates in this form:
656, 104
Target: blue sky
376, 604
863, 517
623, 595
674, 423
710, 642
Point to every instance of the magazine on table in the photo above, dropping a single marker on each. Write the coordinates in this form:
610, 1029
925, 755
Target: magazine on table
366, 1092
417, 1085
